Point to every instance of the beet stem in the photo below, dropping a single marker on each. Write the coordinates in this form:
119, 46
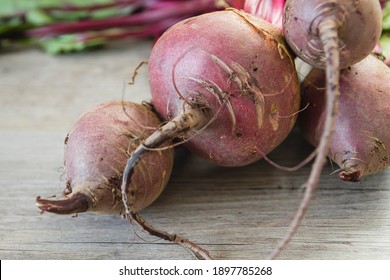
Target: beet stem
329, 38
76, 203
189, 120
146, 17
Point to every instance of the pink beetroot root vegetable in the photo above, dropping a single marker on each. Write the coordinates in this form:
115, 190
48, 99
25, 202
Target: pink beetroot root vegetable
354, 27
361, 141
96, 152
227, 86
233, 74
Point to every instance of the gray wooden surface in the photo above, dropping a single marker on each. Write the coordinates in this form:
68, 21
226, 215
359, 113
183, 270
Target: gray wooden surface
235, 213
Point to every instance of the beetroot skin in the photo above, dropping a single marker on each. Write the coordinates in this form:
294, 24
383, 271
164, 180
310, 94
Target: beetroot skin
361, 141
96, 152
237, 69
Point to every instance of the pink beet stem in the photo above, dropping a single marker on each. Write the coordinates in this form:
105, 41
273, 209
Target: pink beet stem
145, 17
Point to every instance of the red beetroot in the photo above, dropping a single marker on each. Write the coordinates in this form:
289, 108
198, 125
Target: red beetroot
226, 83
361, 142
235, 73
357, 23
96, 151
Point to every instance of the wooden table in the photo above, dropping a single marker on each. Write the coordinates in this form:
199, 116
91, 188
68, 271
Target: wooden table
235, 213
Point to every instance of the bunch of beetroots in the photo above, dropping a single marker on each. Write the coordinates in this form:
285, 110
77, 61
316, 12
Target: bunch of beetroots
212, 83
225, 85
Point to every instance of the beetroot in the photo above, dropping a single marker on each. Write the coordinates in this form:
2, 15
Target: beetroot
232, 76
96, 151
213, 78
357, 24
361, 142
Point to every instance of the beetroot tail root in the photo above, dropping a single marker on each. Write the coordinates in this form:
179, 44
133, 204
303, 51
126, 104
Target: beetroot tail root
134, 217
328, 31
188, 120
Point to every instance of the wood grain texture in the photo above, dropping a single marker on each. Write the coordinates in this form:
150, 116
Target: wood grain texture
236, 213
